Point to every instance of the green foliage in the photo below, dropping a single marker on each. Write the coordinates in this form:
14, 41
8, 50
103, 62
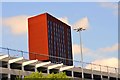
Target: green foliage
58, 75
17, 78
35, 75
40, 76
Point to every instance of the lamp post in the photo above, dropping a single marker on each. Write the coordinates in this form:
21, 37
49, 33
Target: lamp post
79, 30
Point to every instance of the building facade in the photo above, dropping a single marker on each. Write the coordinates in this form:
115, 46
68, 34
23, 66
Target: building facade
50, 36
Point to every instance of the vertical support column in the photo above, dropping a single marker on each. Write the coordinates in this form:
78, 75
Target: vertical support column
59, 69
9, 71
48, 71
108, 73
22, 72
72, 73
82, 74
8, 64
82, 70
92, 71
101, 73
19, 73
116, 73
35, 69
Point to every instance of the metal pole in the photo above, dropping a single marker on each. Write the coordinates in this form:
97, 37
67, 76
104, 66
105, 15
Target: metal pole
81, 53
8, 52
22, 53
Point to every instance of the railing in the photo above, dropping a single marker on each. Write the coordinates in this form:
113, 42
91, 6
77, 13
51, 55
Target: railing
91, 66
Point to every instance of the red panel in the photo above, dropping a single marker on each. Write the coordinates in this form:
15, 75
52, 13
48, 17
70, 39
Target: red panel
38, 37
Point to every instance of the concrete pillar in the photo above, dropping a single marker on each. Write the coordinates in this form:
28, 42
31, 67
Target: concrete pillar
116, 73
108, 72
92, 72
72, 74
23, 72
92, 76
101, 77
48, 71
101, 72
82, 74
36, 69
9, 71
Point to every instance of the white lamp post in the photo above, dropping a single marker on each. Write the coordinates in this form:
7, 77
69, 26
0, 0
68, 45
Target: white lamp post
79, 30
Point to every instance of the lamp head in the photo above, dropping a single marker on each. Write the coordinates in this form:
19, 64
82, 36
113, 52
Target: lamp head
80, 29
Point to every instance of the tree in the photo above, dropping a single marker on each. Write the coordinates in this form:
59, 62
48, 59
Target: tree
57, 76
52, 76
35, 75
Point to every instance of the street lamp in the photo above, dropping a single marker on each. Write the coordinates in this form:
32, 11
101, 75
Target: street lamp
79, 30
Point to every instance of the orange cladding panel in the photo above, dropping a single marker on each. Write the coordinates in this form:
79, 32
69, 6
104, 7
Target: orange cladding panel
38, 37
